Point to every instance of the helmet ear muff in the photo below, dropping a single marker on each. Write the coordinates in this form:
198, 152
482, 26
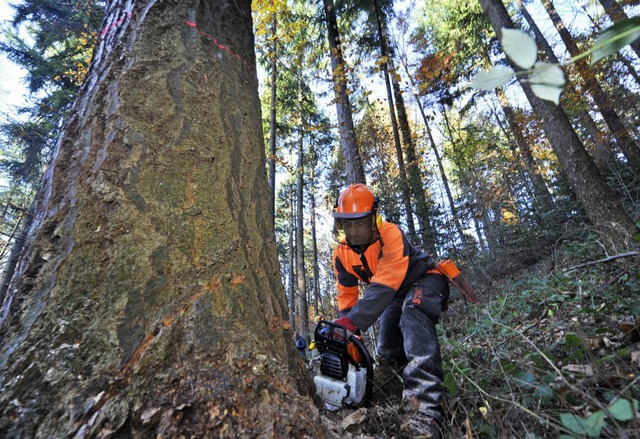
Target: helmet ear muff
379, 220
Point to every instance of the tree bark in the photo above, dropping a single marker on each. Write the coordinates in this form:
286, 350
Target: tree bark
314, 237
598, 200
348, 141
148, 301
291, 265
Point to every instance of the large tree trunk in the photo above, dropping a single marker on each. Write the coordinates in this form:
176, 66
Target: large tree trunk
348, 141
598, 200
148, 301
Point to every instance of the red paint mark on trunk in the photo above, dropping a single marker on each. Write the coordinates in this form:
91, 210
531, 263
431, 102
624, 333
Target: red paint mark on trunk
220, 45
116, 24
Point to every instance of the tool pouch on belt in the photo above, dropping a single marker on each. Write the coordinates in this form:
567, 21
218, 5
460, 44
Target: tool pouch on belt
430, 294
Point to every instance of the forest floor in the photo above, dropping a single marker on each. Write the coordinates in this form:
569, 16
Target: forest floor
551, 351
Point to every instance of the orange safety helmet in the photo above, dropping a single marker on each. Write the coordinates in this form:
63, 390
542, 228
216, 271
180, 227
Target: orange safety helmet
356, 201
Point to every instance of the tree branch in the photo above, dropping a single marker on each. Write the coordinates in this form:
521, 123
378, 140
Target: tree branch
610, 258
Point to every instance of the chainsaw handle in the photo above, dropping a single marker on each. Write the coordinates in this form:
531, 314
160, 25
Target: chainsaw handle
327, 332
368, 363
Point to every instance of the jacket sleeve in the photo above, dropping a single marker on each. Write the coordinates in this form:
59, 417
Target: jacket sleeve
347, 284
368, 309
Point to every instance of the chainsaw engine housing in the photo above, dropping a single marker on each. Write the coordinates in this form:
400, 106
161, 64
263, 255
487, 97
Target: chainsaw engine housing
346, 369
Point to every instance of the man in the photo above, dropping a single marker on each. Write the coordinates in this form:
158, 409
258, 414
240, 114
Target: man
301, 345
403, 291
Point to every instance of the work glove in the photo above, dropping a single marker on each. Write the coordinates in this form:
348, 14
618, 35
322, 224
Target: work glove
348, 325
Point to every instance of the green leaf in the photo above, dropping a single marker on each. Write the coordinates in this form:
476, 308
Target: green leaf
526, 379
623, 409
596, 423
590, 427
615, 38
519, 47
546, 81
571, 341
450, 384
544, 393
546, 73
548, 93
496, 77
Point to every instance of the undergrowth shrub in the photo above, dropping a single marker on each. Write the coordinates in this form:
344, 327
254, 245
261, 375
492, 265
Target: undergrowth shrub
546, 354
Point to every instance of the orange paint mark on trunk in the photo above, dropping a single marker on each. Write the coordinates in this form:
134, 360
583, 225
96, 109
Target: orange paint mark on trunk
237, 279
212, 285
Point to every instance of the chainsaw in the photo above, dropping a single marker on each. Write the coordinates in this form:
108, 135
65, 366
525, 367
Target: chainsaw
346, 368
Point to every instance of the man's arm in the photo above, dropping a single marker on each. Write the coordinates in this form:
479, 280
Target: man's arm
347, 285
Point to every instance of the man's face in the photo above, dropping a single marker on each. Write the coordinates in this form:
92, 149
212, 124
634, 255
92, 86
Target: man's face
358, 231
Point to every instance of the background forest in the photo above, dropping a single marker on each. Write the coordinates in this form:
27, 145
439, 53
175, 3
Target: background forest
543, 222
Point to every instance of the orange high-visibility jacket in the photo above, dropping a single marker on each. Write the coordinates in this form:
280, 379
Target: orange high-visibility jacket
390, 265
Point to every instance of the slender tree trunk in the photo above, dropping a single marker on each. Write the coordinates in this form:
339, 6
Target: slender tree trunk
148, 302
348, 141
598, 200
615, 11
602, 153
445, 181
534, 204
484, 245
434, 148
9, 269
543, 197
301, 272
629, 66
314, 238
425, 232
292, 256
404, 182
272, 115
623, 138
476, 202
420, 201
8, 202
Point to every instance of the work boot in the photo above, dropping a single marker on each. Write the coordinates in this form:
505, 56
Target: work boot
418, 423
420, 428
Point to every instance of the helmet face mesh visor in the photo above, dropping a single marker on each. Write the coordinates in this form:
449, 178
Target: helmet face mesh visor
358, 232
